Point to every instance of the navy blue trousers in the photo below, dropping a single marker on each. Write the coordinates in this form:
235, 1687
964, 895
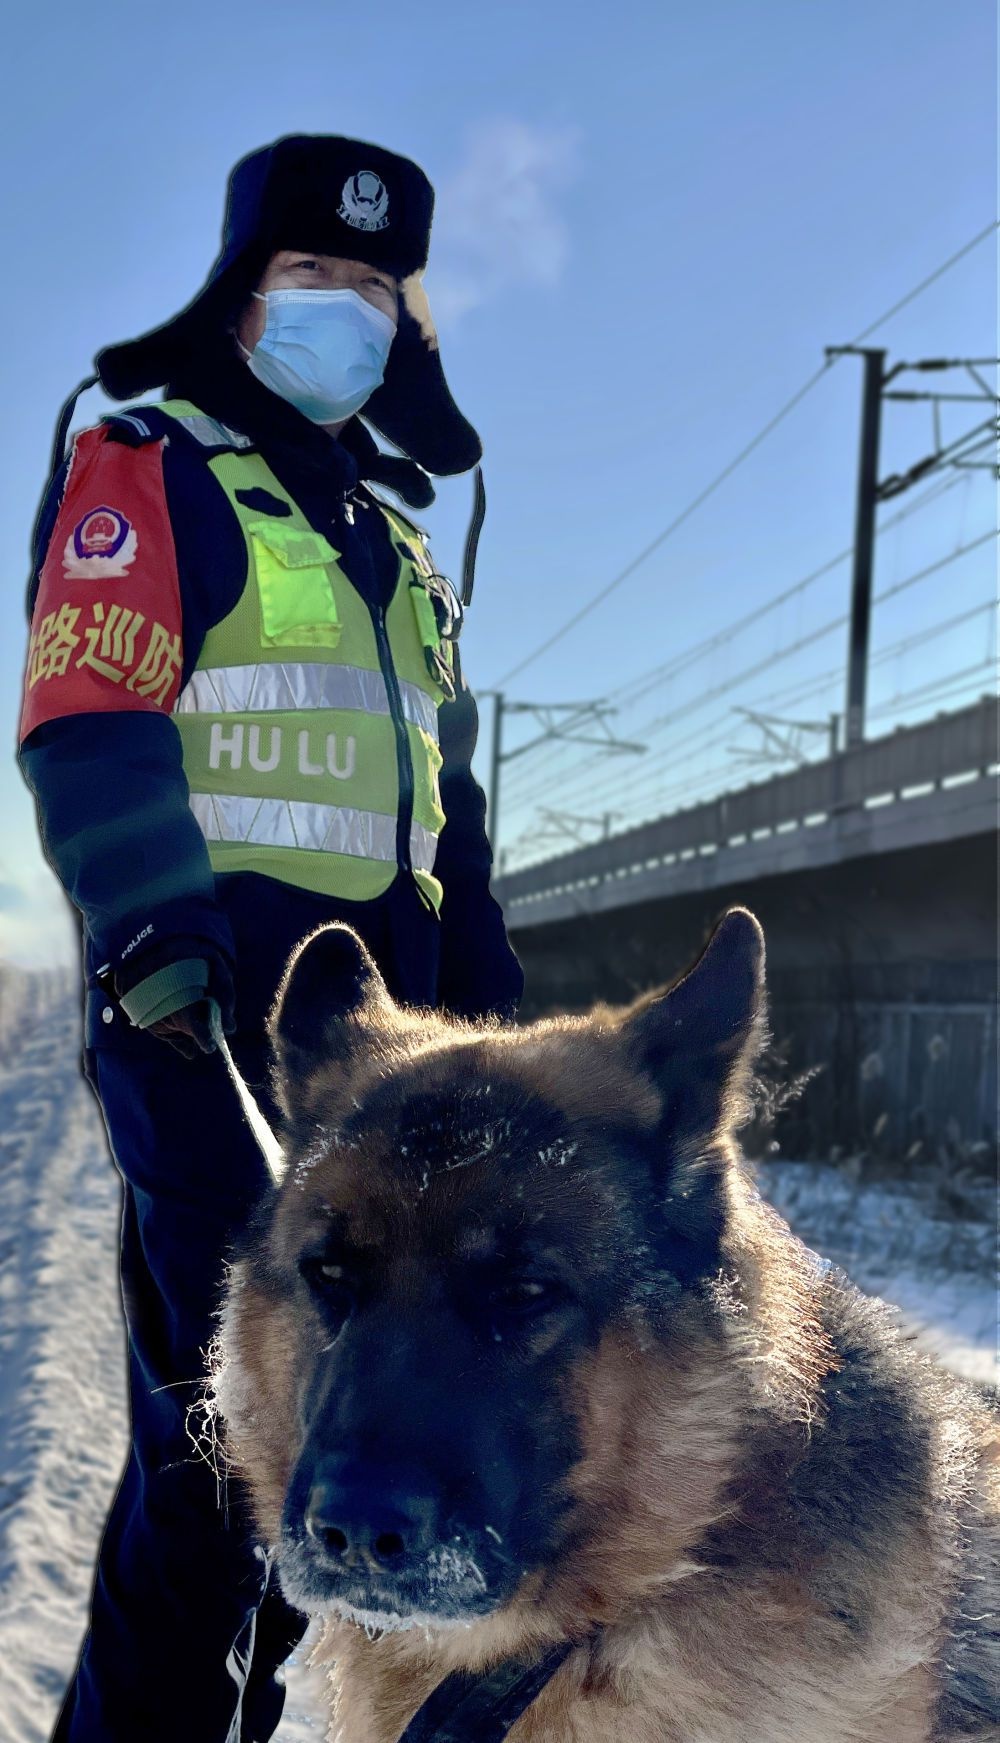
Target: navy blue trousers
188, 1628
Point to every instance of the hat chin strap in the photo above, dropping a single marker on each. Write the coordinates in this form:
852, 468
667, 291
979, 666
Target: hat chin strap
58, 454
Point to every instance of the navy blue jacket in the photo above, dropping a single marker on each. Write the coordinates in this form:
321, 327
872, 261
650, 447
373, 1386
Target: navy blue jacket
113, 799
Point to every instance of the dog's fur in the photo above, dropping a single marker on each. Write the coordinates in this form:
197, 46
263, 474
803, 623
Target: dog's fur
611, 1397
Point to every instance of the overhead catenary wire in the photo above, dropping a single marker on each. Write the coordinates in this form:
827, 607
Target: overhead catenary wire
570, 781
637, 783
634, 813
727, 471
937, 689
710, 782
649, 801
718, 780
640, 684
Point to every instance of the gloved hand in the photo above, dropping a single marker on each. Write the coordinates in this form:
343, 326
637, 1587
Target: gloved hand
175, 1002
189, 1030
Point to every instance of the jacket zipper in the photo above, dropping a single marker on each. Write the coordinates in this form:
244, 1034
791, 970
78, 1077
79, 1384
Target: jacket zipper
404, 757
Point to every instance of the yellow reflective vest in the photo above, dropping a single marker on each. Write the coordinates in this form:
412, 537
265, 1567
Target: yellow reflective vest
310, 723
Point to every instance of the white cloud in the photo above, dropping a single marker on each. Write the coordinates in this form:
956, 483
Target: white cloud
497, 221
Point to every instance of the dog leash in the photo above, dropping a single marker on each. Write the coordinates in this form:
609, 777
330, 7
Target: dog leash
483, 1709
270, 1149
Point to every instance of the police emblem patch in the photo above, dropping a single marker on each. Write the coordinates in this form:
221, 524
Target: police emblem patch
102, 544
364, 201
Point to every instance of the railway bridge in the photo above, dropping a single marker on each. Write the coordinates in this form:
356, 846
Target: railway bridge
874, 874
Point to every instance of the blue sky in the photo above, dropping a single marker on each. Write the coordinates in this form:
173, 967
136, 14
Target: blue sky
651, 219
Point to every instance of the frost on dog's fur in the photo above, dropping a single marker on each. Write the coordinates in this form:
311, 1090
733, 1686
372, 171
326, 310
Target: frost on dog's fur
522, 1275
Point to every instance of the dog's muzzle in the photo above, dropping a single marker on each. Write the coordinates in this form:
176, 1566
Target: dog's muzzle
367, 1542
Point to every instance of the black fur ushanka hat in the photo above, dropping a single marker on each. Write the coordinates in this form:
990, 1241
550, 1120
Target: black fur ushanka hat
335, 196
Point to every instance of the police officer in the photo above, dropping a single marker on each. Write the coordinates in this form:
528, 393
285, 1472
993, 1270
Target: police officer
243, 717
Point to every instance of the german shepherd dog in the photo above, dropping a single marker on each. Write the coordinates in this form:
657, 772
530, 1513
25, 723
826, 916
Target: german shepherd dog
516, 1354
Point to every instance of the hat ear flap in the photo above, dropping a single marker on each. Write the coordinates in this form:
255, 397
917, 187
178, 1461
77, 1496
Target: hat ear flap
414, 301
136, 365
414, 408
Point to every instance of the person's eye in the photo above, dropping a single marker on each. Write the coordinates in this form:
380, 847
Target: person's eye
303, 263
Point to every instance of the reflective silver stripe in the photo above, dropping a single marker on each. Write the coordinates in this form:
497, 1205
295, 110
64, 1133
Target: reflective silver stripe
423, 847
299, 685
301, 823
128, 418
210, 433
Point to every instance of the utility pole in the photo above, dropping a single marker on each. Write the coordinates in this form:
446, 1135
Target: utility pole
496, 756
864, 539
958, 453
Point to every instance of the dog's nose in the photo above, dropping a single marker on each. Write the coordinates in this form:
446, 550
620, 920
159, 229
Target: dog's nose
360, 1523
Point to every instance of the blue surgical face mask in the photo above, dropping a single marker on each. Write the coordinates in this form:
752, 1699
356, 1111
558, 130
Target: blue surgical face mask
324, 351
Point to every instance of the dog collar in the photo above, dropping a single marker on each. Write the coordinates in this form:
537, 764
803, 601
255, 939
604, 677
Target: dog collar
483, 1709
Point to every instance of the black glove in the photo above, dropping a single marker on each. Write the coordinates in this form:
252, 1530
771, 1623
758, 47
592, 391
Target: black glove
187, 1028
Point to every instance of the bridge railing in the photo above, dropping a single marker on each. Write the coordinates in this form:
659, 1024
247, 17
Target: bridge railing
943, 748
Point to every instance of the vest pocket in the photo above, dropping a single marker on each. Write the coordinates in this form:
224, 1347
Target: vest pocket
298, 607
427, 762
437, 626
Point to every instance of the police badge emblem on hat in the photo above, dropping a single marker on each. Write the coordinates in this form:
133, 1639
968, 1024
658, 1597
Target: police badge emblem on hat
364, 202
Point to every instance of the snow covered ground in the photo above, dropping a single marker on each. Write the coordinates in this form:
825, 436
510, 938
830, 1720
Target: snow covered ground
62, 1348
897, 1239
63, 1434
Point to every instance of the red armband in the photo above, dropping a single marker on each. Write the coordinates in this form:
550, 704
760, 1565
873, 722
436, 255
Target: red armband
106, 628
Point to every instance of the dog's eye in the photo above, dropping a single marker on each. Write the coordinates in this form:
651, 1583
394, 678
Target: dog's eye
323, 1270
527, 1295
330, 1280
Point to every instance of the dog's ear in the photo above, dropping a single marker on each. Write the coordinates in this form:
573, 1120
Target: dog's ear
331, 996
698, 1038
